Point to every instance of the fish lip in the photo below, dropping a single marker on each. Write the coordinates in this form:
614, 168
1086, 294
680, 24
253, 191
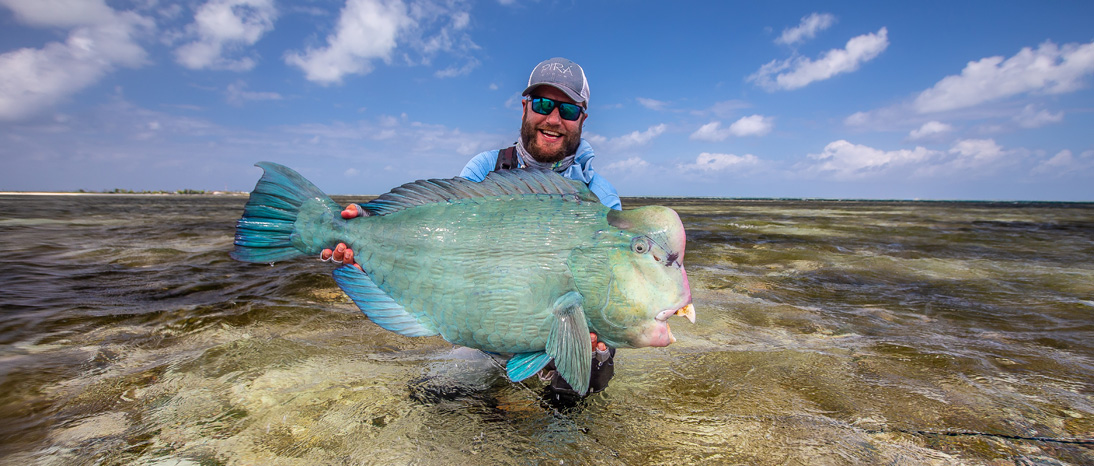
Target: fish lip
687, 310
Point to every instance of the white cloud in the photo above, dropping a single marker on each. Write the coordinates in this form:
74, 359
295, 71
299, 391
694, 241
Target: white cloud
844, 160
636, 138
367, 30
237, 94
222, 27
754, 125
929, 130
708, 162
633, 164
651, 104
1031, 118
977, 154
797, 72
1066, 163
807, 29
61, 13
1049, 69
101, 39
710, 132
452, 71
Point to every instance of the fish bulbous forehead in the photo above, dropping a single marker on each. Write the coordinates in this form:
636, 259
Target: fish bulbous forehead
661, 224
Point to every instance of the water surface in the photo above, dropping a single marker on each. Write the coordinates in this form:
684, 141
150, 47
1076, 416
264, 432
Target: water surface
828, 333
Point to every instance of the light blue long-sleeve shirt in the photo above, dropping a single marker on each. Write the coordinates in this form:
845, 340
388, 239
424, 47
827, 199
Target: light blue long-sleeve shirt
582, 170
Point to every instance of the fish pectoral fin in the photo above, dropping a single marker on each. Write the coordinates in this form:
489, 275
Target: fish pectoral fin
569, 343
378, 305
524, 365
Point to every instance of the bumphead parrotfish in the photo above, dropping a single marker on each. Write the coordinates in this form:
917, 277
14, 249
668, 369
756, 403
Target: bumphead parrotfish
524, 263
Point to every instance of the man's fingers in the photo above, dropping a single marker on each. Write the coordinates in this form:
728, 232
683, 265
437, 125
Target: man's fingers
349, 212
326, 255
347, 258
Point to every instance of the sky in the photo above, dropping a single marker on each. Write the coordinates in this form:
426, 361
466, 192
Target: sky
969, 100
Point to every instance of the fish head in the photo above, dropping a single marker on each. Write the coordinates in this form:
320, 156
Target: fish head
647, 282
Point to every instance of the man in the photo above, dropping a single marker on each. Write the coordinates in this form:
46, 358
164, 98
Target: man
555, 105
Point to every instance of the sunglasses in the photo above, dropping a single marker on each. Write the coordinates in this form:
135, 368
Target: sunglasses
544, 106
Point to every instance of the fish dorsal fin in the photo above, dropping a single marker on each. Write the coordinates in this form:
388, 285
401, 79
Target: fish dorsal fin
498, 183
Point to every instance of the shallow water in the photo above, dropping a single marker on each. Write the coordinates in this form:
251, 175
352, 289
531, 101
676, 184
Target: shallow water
828, 333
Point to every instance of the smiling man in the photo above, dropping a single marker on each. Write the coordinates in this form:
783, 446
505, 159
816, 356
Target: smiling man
555, 107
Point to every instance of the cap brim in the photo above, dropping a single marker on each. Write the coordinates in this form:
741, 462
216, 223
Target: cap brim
569, 93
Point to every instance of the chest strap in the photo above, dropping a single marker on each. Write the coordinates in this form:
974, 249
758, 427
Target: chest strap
507, 159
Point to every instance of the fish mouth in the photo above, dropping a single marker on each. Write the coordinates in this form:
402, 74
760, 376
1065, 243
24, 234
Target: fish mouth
688, 311
661, 334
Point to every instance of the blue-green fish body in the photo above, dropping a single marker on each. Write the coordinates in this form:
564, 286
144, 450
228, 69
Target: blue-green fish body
525, 262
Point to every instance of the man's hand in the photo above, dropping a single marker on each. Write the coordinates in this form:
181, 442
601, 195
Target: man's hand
597, 345
342, 253
351, 211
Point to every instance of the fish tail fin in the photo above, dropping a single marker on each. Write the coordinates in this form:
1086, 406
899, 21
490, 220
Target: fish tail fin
286, 216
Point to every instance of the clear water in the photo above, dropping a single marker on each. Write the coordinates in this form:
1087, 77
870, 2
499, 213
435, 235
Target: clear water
828, 333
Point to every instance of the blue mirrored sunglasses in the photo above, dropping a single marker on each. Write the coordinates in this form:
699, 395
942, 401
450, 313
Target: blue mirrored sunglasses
543, 106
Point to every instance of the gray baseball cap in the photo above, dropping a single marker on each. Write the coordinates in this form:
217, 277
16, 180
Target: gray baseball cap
561, 74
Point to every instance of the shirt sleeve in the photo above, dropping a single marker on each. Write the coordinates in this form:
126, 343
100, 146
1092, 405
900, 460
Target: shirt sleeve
605, 191
479, 166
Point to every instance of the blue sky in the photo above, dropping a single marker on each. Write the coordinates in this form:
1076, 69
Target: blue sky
917, 100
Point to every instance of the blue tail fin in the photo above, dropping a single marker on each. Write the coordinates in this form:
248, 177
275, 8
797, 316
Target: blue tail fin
269, 230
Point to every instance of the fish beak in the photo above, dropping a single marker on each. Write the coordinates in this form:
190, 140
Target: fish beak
687, 311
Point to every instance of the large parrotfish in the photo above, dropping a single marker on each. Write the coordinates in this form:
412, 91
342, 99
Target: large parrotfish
524, 263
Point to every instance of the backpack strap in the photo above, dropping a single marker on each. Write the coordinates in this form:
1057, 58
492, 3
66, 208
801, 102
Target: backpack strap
507, 159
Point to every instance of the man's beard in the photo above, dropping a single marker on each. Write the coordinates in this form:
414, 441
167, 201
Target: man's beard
570, 141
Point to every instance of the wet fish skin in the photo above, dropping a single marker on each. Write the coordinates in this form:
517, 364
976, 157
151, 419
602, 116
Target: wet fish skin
524, 262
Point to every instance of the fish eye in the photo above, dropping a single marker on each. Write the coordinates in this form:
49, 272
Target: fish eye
640, 245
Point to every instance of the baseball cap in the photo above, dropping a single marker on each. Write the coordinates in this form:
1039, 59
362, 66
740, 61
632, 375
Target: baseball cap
561, 74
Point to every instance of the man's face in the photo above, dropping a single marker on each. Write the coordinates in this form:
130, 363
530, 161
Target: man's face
549, 138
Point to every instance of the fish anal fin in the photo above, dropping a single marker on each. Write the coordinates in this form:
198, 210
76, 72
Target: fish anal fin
569, 343
524, 365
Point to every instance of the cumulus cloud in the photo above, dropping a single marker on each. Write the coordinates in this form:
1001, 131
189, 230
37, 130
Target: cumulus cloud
844, 160
797, 72
1066, 163
100, 39
1048, 69
807, 29
708, 162
222, 27
710, 132
369, 30
366, 30
753, 125
969, 157
977, 154
1032, 118
930, 130
636, 138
